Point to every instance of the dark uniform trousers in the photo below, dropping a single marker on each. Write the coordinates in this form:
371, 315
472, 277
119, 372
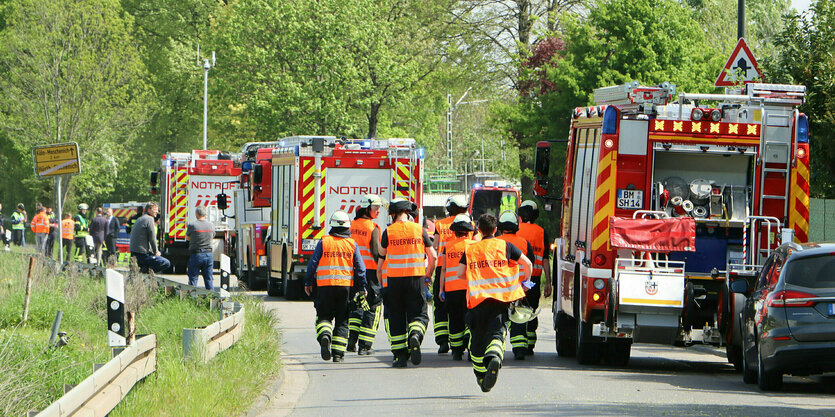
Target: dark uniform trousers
362, 325
488, 329
439, 312
523, 336
332, 316
456, 305
405, 311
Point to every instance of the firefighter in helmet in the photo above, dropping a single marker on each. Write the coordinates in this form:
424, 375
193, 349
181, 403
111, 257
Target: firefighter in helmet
491, 268
406, 248
363, 324
336, 269
509, 226
453, 291
455, 205
538, 238
82, 230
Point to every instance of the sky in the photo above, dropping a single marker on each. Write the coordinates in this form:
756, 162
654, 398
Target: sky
801, 5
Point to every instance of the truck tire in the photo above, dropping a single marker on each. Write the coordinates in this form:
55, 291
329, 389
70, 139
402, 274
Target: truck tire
566, 346
274, 287
588, 352
292, 289
618, 352
749, 374
734, 353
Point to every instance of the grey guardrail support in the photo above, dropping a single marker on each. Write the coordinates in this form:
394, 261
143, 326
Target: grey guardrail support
102, 391
204, 344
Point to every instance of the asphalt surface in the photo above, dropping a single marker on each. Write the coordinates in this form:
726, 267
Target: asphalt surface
659, 381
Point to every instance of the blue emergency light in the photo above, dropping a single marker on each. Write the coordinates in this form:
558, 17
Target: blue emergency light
803, 129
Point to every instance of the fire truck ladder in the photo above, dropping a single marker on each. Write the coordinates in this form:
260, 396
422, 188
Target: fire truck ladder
769, 146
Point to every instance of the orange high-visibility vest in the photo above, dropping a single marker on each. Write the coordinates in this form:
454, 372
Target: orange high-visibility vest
452, 256
520, 243
444, 234
405, 253
361, 230
40, 224
535, 235
490, 274
336, 266
67, 226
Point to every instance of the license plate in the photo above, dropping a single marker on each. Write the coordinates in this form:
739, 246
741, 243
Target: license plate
630, 199
309, 244
832, 309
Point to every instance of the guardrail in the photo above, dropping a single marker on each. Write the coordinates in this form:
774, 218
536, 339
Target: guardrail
102, 391
204, 344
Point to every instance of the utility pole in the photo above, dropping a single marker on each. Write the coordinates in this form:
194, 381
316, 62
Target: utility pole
451, 108
740, 25
207, 65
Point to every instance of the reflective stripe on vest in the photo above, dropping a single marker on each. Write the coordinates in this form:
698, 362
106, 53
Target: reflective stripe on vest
361, 230
490, 274
535, 235
67, 229
452, 256
18, 216
520, 243
336, 266
405, 252
383, 275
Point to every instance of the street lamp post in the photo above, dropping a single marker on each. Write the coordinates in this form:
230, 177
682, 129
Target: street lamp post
450, 109
207, 65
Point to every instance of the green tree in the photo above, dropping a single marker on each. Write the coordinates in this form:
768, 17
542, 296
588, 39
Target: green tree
72, 73
806, 55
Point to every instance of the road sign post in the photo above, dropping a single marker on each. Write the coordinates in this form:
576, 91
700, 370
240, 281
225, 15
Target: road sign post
57, 160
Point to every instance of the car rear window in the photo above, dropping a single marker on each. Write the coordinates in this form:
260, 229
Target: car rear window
812, 272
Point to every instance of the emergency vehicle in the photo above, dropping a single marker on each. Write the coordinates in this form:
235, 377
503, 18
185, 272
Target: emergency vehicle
188, 181
124, 212
250, 258
664, 203
305, 179
493, 197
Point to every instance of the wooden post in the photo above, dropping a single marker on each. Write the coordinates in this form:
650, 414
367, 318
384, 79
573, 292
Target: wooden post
28, 289
131, 328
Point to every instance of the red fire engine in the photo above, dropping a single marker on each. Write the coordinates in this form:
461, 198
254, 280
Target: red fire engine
305, 179
664, 204
493, 197
188, 181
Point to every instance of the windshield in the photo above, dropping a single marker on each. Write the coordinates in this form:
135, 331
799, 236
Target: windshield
812, 272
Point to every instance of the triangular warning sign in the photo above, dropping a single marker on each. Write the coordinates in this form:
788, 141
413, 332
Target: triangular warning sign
741, 67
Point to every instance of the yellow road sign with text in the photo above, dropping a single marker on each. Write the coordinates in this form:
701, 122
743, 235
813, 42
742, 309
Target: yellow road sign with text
58, 159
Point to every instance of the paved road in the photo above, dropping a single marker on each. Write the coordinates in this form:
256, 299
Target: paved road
659, 381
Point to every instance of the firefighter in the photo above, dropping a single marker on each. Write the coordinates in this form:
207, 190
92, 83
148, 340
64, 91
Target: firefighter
67, 236
19, 219
538, 238
455, 205
491, 269
453, 291
82, 230
508, 226
405, 243
40, 226
336, 268
362, 324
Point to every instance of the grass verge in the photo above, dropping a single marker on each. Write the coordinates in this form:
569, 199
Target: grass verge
32, 375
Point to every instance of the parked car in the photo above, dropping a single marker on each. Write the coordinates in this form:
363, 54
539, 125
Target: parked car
788, 321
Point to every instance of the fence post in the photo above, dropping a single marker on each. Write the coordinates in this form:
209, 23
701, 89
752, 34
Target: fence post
28, 289
115, 288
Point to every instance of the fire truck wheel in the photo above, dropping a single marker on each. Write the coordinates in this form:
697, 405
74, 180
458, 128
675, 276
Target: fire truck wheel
618, 352
588, 352
274, 288
292, 289
566, 346
734, 353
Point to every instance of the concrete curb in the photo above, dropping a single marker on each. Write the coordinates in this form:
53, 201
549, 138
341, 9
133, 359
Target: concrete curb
280, 397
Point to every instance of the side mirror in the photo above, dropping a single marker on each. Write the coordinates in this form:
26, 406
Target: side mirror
543, 160
222, 202
154, 178
739, 286
257, 173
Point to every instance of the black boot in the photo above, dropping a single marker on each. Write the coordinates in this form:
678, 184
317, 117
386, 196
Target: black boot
492, 375
457, 355
325, 345
443, 348
352, 343
519, 353
414, 348
400, 360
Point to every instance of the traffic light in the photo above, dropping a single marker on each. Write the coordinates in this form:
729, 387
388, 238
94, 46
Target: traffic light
222, 203
154, 178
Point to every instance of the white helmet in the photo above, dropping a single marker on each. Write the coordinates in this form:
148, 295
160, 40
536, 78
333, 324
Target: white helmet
458, 202
462, 223
371, 200
340, 219
83, 206
521, 312
528, 210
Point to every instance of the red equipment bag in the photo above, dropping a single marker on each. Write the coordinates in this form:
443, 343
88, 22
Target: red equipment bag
653, 235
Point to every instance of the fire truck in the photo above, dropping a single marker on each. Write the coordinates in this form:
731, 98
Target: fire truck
307, 178
663, 204
493, 197
187, 181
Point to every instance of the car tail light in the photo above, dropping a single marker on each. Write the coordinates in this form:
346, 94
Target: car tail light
790, 299
781, 338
